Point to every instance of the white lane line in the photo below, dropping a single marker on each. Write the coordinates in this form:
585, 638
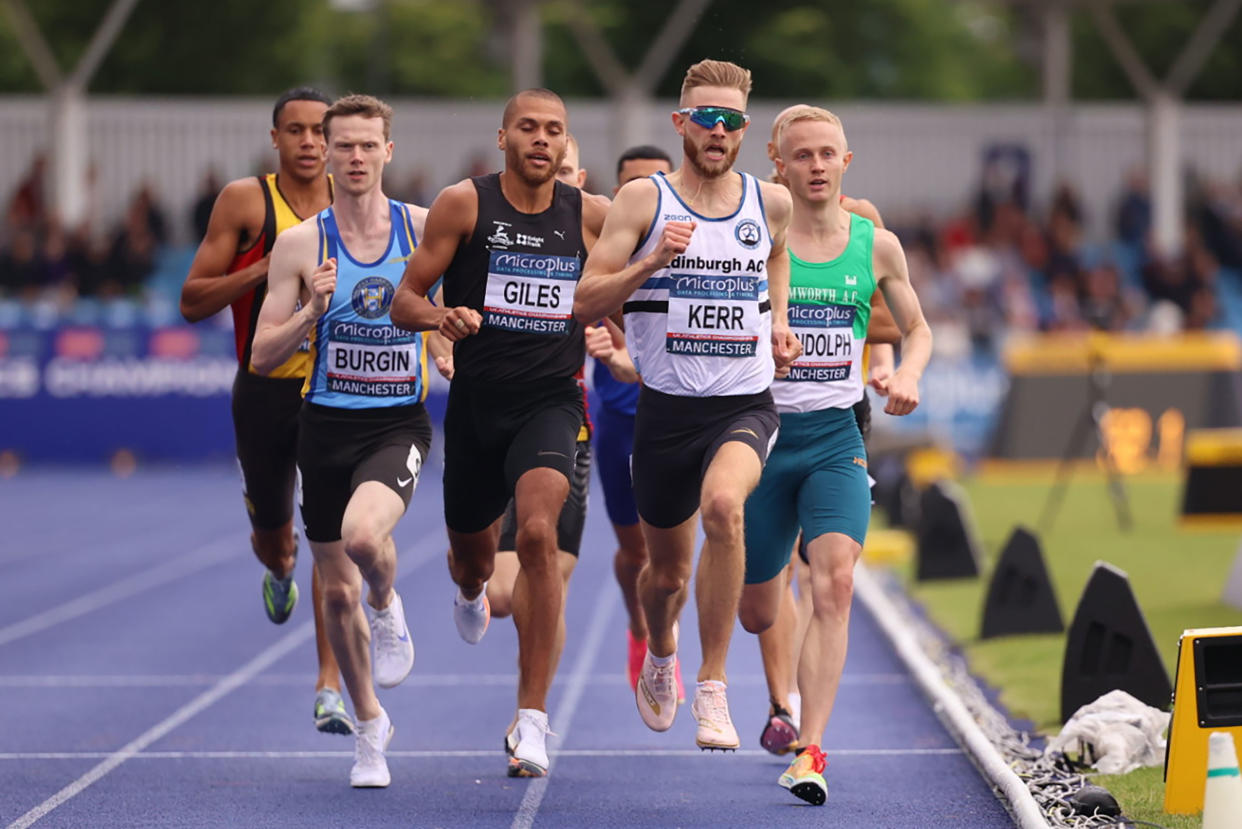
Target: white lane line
587, 653
298, 680
451, 753
423, 553
226, 686
205, 556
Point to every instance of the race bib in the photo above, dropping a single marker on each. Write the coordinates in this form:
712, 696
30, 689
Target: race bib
713, 315
530, 292
372, 360
827, 336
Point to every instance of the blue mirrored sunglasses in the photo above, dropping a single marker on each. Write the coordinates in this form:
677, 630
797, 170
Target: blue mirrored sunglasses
709, 117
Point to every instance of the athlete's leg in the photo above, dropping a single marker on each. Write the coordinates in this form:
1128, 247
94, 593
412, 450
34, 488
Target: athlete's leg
833, 556
345, 624
366, 529
364, 553
329, 671
627, 563
776, 641
663, 583
539, 593
801, 586
500, 585
471, 558
276, 549
733, 472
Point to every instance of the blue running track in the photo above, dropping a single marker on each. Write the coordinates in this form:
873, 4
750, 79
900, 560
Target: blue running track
143, 686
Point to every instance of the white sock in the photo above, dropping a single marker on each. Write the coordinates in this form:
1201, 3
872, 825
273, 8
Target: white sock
662, 661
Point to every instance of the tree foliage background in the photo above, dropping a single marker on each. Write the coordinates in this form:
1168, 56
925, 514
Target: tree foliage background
944, 50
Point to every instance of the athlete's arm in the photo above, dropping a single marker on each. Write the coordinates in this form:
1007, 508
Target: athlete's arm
448, 224
893, 276
606, 343
882, 362
441, 350
778, 207
282, 326
208, 287
607, 278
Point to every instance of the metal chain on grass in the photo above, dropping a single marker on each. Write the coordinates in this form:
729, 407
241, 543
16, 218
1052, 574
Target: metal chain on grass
1051, 780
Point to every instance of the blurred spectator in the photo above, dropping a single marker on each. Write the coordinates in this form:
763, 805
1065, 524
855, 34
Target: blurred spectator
144, 210
413, 188
200, 213
19, 265
28, 207
1104, 304
1134, 210
480, 164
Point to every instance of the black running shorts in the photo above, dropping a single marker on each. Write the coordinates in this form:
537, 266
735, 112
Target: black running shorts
265, 424
573, 515
676, 438
340, 448
496, 432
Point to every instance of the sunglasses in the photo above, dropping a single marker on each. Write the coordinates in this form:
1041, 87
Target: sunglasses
709, 117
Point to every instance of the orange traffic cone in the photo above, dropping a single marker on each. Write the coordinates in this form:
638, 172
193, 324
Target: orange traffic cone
1222, 794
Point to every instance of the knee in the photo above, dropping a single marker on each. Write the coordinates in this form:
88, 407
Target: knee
363, 546
631, 556
832, 592
339, 597
722, 516
668, 578
755, 616
536, 543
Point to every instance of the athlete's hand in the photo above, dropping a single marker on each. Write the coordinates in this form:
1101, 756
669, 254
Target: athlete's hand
903, 394
880, 378
444, 365
785, 347
674, 240
322, 286
259, 266
598, 342
459, 323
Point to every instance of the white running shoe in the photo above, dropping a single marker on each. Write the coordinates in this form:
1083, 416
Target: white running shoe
394, 649
472, 616
656, 694
711, 711
370, 769
527, 744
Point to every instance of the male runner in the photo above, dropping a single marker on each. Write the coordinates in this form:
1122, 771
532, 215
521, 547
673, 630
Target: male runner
230, 267
816, 477
698, 259
569, 524
510, 247
364, 431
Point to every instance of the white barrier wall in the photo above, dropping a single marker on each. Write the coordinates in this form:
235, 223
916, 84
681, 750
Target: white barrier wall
907, 157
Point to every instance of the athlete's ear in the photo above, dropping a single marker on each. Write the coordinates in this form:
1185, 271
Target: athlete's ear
846, 159
273, 133
500, 138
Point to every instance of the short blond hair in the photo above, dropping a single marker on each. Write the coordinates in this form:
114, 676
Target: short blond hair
792, 115
368, 106
720, 73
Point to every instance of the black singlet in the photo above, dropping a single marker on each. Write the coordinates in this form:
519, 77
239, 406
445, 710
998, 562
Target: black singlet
519, 271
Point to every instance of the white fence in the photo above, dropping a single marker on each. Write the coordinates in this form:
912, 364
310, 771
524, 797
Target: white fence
907, 157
